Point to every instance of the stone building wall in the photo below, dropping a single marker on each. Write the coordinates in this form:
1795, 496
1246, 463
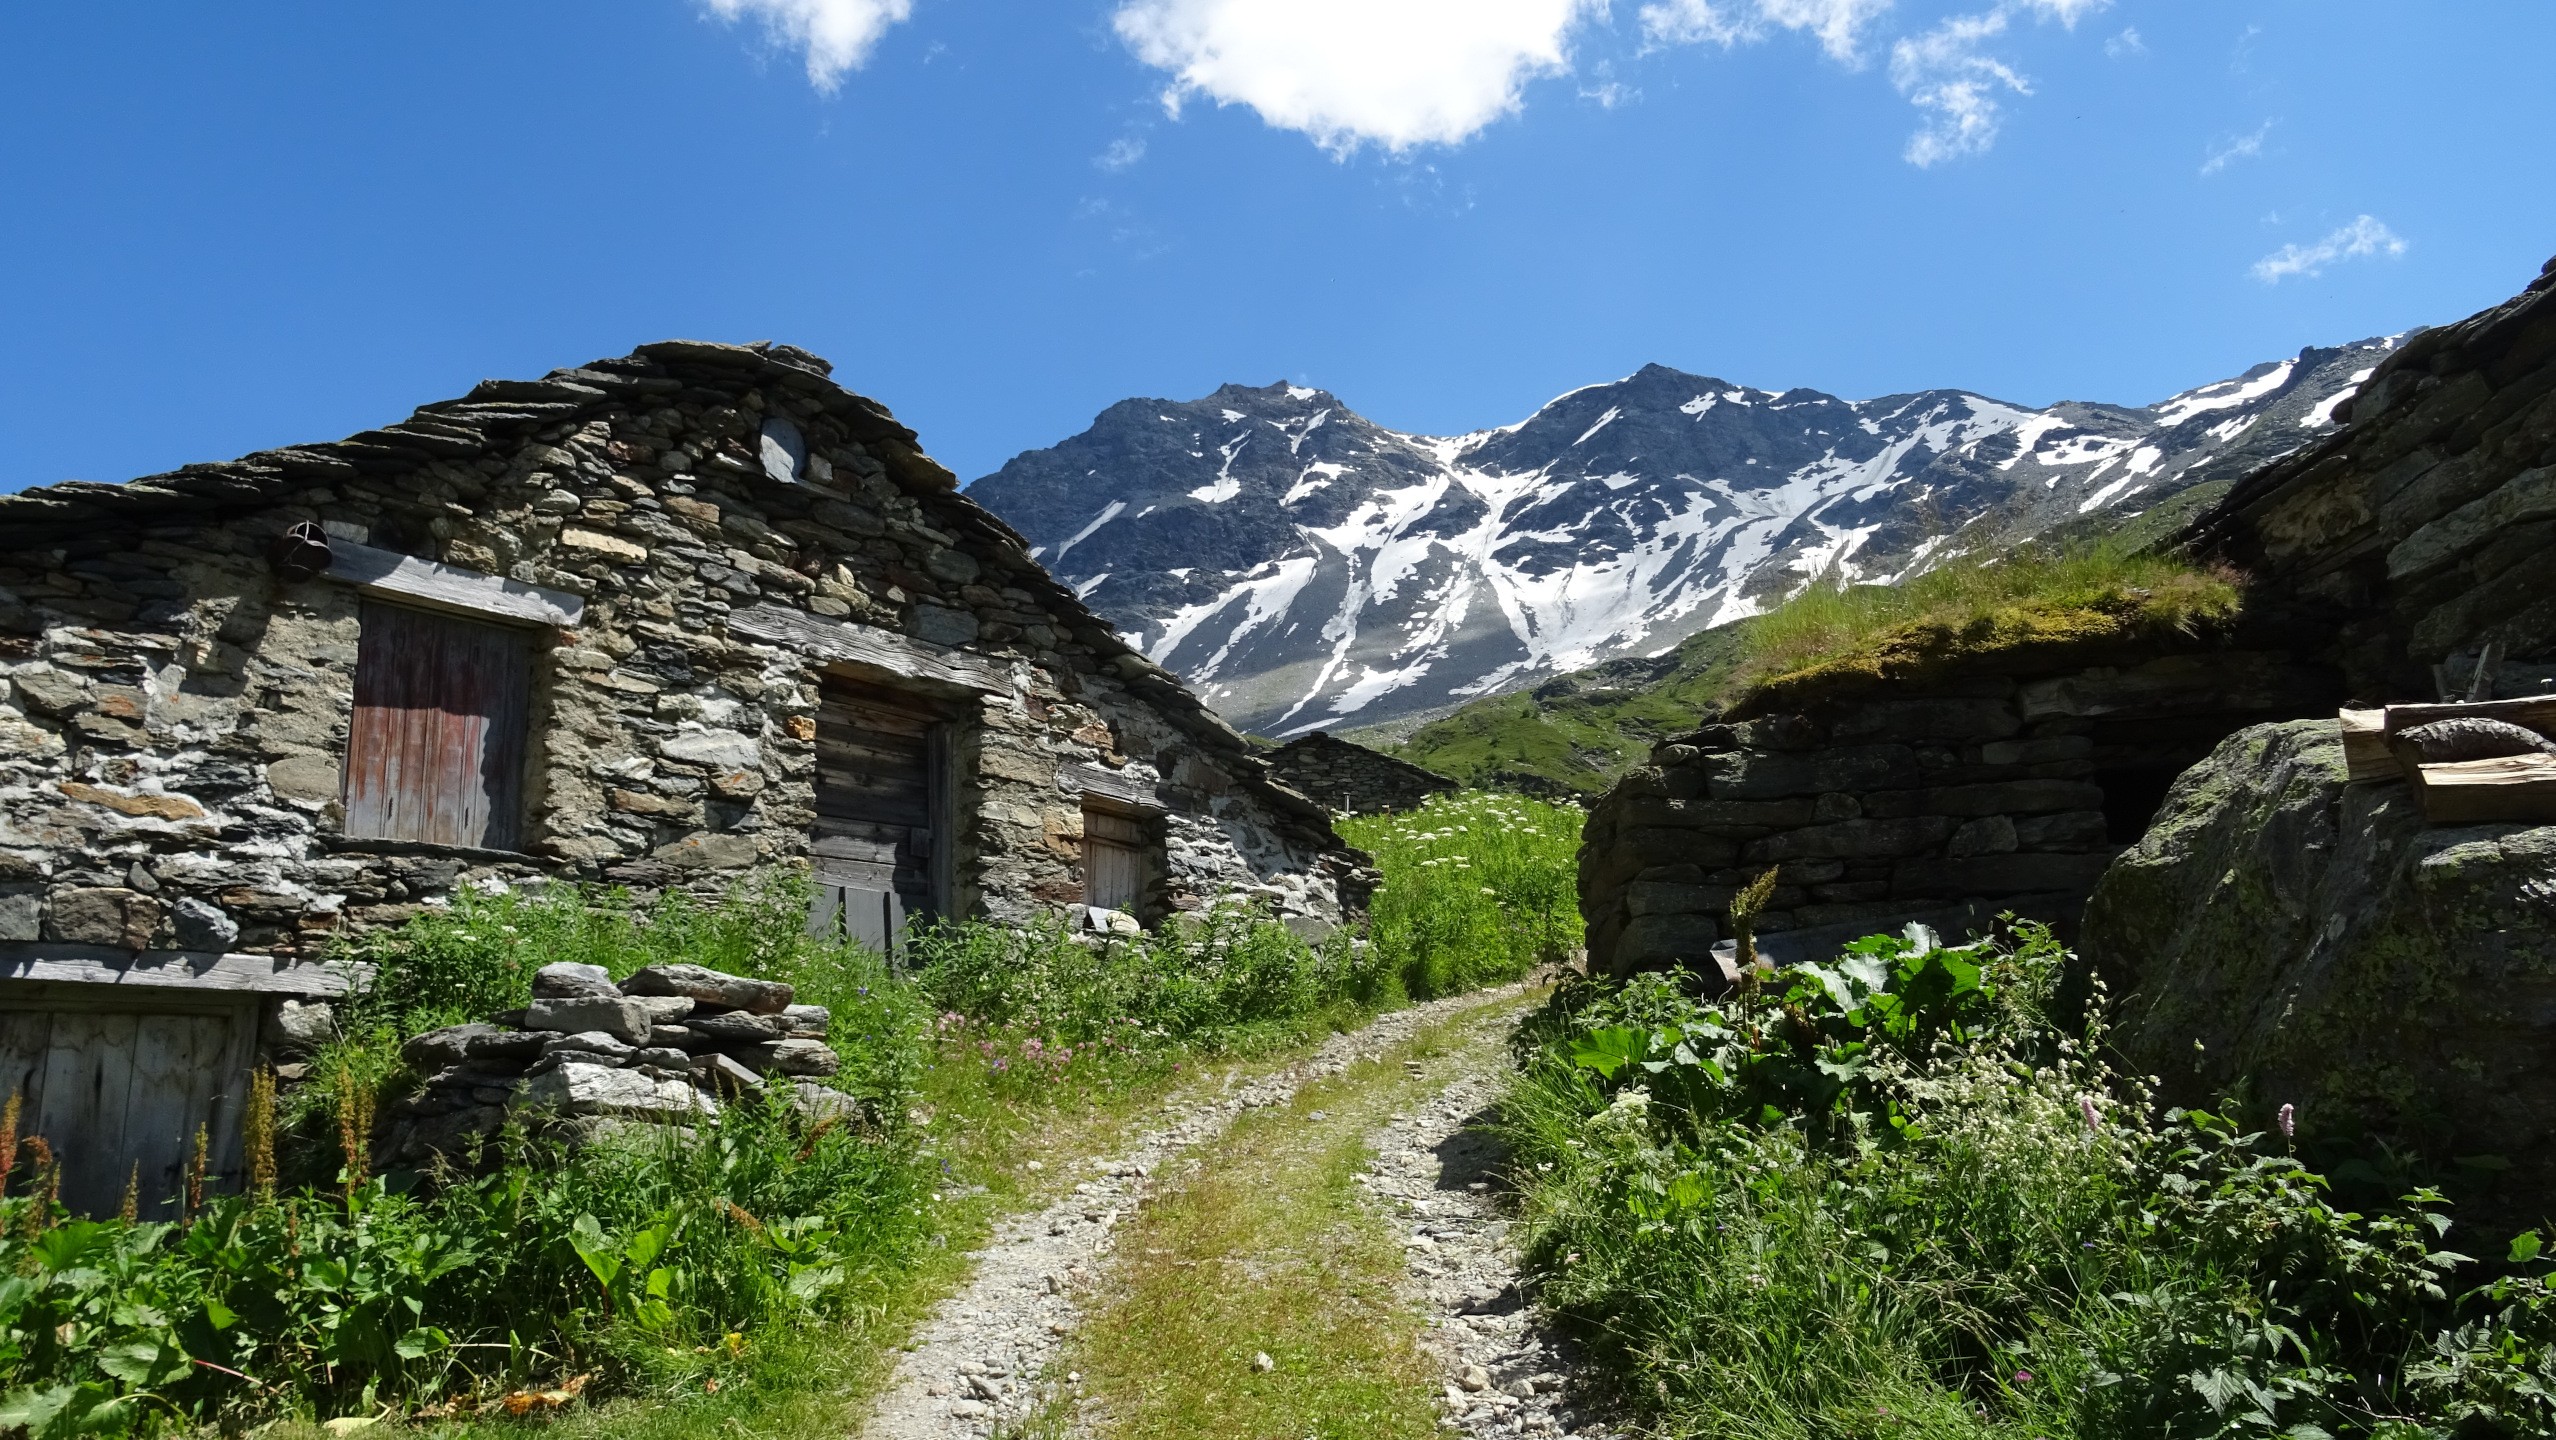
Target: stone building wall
175, 710
1947, 801
2419, 534
1352, 779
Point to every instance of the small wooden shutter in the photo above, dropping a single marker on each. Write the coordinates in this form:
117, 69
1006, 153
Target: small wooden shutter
120, 1092
437, 749
879, 850
1114, 846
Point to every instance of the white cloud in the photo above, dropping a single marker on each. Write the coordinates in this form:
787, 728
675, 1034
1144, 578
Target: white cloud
1393, 73
2363, 238
836, 34
1122, 153
1947, 73
2243, 147
1838, 24
2125, 43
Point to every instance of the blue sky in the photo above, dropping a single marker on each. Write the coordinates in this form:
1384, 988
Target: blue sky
227, 227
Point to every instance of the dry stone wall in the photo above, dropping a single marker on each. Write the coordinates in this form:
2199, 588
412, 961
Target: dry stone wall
2419, 534
1947, 803
174, 712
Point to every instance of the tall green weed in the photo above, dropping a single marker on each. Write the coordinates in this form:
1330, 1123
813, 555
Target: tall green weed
1479, 888
1894, 1195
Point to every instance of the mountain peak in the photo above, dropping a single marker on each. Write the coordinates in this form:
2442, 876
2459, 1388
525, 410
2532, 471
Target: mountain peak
1306, 568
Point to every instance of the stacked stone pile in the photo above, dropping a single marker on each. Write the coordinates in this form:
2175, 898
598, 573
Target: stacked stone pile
667, 1044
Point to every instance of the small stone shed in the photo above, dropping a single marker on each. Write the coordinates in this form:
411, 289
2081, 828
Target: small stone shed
654, 621
1352, 779
2405, 556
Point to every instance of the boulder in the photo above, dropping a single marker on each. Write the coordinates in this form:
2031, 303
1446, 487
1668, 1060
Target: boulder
302, 1027
576, 1088
714, 989
666, 1009
808, 1021
791, 1057
2328, 949
623, 1020
570, 981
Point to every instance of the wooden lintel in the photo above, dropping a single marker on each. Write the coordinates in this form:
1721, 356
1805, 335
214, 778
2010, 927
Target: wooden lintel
1116, 787
867, 649
2512, 789
435, 586
197, 970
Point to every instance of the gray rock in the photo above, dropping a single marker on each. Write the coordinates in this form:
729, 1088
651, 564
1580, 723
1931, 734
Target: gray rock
570, 981
201, 925
605, 1048
666, 1009
736, 1027
821, 1102
1992, 835
807, 1021
581, 1089
624, 1020
678, 1037
442, 1049
301, 1027
714, 989
723, 1074
791, 1057
2322, 941
662, 1058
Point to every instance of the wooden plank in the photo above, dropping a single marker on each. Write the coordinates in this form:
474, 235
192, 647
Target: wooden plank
942, 807
197, 970
2365, 752
866, 648
450, 588
25, 1038
1113, 874
436, 751
2514, 789
178, 1069
2368, 751
88, 1083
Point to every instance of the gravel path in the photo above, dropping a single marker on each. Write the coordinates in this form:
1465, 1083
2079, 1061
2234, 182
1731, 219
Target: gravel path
980, 1360
1504, 1374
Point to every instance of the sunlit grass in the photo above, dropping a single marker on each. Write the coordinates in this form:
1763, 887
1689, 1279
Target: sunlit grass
1479, 888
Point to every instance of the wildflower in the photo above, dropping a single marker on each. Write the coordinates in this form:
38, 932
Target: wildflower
2289, 1121
2094, 1117
2023, 1377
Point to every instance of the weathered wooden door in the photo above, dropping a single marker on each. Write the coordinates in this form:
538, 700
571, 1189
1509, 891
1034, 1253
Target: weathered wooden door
1113, 860
437, 749
120, 1091
881, 848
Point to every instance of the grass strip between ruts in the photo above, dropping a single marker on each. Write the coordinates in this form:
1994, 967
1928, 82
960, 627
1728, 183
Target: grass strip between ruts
1269, 1246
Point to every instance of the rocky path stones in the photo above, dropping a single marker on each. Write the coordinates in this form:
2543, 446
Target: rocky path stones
982, 1360
1505, 1374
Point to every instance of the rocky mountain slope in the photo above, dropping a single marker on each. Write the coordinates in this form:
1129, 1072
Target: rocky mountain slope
1306, 568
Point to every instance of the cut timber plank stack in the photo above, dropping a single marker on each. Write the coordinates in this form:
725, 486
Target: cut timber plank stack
2516, 788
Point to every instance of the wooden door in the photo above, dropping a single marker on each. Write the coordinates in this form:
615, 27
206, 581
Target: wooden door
1114, 848
437, 749
120, 1092
880, 852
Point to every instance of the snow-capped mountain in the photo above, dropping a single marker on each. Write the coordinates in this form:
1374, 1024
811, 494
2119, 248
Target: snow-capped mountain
1306, 568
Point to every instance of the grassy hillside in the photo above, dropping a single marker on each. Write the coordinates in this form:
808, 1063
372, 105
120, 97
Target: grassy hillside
1576, 733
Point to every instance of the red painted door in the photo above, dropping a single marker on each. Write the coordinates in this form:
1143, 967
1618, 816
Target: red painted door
437, 750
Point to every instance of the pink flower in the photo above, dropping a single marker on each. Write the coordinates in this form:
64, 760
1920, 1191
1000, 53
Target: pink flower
2289, 1121
2086, 1107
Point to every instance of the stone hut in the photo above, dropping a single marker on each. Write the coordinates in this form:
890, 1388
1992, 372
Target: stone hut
654, 621
2403, 557
1352, 779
